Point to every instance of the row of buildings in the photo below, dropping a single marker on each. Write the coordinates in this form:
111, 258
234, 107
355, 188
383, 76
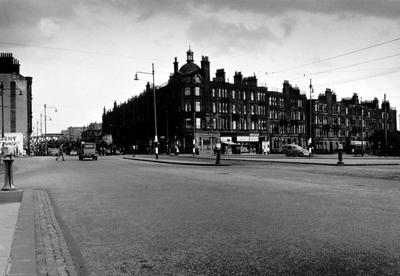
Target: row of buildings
195, 111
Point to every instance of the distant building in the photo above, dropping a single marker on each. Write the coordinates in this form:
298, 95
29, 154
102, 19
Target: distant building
73, 133
92, 133
17, 99
195, 112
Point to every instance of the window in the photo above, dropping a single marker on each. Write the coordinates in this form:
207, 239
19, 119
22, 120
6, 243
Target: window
252, 96
233, 94
187, 91
214, 107
197, 91
234, 125
197, 106
187, 106
188, 123
213, 92
198, 123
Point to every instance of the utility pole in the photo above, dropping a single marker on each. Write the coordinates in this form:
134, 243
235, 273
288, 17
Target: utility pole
45, 131
310, 135
362, 127
385, 121
155, 106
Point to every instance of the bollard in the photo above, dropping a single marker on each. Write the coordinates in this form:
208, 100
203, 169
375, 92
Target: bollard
218, 157
340, 155
8, 175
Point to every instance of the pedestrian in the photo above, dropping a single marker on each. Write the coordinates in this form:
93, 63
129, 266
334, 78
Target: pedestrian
60, 153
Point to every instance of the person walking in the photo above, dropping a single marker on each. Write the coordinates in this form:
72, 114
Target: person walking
60, 153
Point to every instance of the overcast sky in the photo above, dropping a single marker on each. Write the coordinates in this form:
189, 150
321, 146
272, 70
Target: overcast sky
83, 55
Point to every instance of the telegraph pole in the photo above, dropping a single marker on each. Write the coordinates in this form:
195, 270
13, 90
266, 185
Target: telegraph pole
311, 89
385, 121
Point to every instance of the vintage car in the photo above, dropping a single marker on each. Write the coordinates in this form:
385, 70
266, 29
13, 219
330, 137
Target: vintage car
88, 150
294, 150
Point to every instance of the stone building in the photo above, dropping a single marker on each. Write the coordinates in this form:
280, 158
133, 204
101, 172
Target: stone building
197, 112
17, 99
349, 122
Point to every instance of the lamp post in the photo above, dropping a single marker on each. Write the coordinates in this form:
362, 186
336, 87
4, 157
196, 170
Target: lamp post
362, 128
154, 102
45, 125
310, 130
385, 121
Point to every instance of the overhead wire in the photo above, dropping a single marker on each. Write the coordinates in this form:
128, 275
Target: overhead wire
80, 51
336, 56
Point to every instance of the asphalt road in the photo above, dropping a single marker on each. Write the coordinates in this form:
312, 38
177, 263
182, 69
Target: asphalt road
138, 218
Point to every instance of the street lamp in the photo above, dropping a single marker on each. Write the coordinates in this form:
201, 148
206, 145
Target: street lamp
154, 102
45, 125
310, 130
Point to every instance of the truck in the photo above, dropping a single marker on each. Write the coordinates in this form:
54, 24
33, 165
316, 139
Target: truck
88, 150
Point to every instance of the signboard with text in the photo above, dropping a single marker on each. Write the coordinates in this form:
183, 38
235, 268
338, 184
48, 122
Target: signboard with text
247, 139
12, 143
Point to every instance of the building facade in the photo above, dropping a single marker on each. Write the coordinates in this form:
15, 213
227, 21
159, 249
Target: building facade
197, 112
16, 94
349, 122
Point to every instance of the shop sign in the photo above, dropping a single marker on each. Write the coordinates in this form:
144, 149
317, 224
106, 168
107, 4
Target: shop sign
12, 143
247, 138
226, 139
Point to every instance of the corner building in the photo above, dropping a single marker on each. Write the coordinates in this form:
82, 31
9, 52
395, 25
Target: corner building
194, 111
17, 100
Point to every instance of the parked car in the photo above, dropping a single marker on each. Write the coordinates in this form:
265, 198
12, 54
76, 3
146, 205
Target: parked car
88, 150
294, 150
73, 153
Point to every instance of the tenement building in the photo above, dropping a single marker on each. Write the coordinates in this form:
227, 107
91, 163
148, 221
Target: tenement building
16, 106
349, 122
195, 112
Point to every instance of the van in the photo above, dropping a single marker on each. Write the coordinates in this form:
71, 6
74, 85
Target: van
294, 150
88, 150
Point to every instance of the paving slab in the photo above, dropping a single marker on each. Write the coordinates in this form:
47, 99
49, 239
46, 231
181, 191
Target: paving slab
8, 219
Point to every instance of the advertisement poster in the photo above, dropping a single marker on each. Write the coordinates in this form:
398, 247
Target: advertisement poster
12, 143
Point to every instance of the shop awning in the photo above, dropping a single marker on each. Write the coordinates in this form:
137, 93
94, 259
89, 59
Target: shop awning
227, 141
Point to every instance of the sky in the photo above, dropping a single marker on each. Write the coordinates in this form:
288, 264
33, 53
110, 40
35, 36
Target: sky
83, 54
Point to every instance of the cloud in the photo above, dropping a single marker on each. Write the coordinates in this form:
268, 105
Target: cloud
146, 9
228, 37
48, 26
31, 20
382, 8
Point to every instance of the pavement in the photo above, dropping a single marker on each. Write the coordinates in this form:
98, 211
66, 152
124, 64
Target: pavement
32, 241
228, 160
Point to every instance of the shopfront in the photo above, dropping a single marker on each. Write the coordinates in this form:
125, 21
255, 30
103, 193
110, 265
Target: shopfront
248, 144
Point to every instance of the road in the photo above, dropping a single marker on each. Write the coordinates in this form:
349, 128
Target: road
139, 218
